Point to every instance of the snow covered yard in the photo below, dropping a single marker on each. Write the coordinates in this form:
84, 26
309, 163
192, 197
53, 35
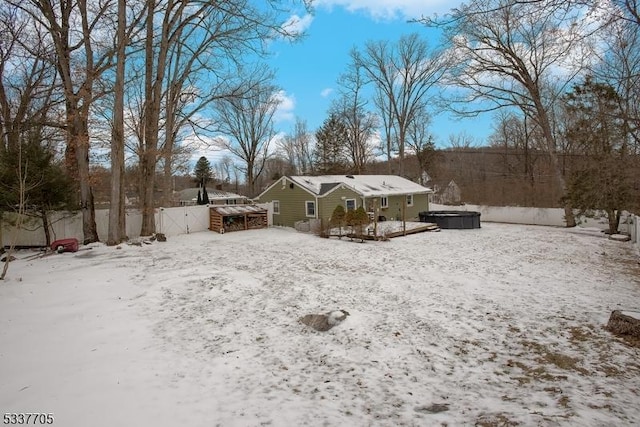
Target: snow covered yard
501, 325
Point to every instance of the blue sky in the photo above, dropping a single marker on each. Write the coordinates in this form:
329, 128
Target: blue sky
307, 70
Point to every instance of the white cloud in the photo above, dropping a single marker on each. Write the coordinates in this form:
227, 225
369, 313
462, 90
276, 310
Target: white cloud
297, 25
325, 93
286, 107
390, 9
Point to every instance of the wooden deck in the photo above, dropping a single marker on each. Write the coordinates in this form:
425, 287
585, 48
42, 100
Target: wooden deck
382, 234
426, 227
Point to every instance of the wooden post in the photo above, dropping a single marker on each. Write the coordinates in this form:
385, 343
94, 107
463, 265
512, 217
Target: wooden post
375, 218
404, 219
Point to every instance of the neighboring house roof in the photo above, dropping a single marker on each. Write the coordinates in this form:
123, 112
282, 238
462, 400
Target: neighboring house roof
365, 185
442, 185
192, 194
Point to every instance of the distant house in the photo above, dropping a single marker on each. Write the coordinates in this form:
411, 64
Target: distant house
446, 193
189, 197
298, 198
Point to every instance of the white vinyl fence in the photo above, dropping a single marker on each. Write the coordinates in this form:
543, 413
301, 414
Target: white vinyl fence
169, 221
634, 229
629, 224
191, 219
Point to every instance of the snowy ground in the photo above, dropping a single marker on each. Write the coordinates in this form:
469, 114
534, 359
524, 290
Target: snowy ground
496, 326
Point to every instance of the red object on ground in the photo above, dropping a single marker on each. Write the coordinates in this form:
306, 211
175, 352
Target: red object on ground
65, 245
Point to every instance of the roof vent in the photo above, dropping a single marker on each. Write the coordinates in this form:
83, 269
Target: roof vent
350, 176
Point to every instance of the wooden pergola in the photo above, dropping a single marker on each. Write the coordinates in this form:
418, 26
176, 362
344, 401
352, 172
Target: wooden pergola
223, 219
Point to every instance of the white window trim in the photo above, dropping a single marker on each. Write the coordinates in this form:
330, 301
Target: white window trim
386, 200
346, 204
276, 207
306, 208
409, 203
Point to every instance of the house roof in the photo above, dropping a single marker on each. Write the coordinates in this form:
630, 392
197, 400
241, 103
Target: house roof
192, 194
237, 209
443, 184
365, 185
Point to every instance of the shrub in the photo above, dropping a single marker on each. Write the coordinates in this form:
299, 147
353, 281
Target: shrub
357, 220
338, 218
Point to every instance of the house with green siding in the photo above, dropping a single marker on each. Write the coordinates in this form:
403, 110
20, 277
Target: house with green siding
388, 197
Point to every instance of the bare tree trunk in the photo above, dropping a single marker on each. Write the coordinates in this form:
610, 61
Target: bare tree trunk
117, 219
22, 179
545, 124
78, 159
154, 73
73, 27
45, 226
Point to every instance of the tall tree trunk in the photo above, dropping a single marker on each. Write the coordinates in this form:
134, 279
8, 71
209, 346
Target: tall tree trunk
45, 226
77, 156
545, 124
155, 68
117, 219
147, 193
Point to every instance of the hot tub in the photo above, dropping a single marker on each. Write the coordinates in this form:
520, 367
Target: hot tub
452, 219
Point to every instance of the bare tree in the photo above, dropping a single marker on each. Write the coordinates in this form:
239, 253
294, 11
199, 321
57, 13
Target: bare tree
78, 30
462, 141
620, 66
421, 143
30, 132
246, 129
22, 175
27, 78
359, 123
117, 231
298, 148
185, 39
404, 76
224, 169
388, 141
510, 54
515, 137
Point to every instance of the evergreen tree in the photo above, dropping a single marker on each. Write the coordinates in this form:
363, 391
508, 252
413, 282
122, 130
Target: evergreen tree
199, 201
356, 220
331, 145
338, 219
44, 181
203, 171
602, 178
360, 221
205, 195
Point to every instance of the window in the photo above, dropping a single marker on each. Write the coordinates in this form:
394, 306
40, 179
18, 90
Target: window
276, 207
311, 209
384, 202
409, 199
350, 204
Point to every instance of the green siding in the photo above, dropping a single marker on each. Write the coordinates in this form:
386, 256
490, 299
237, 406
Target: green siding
329, 202
292, 203
394, 209
420, 204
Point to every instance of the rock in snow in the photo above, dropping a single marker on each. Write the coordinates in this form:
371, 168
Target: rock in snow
324, 322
